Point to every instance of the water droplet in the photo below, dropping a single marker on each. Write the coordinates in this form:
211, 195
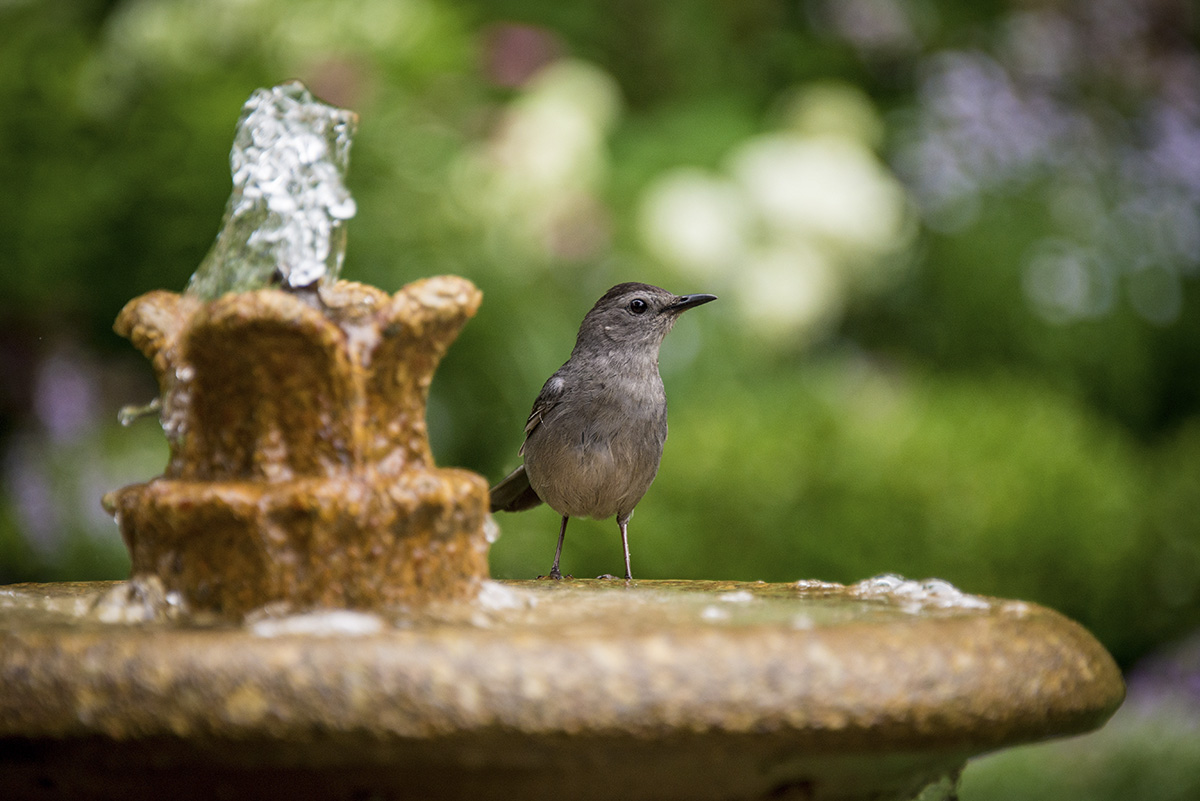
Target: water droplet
129, 414
491, 529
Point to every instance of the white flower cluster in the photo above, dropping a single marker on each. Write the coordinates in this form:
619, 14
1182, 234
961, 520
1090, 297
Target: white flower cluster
794, 219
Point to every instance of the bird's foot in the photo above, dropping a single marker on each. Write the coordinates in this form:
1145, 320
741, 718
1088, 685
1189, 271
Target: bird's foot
554, 575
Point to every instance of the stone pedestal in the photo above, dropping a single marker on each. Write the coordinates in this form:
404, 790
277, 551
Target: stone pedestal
300, 470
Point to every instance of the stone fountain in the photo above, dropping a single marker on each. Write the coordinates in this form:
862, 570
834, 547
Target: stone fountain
309, 612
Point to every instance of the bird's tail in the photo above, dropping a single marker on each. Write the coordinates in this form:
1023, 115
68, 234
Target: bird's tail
513, 493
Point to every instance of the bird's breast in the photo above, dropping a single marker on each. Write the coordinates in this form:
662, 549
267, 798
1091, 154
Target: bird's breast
597, 452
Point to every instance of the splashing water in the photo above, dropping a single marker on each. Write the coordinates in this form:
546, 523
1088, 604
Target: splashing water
285, 219
320, 623
915, 596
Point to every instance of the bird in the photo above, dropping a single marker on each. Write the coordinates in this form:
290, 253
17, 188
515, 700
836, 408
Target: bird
595, 436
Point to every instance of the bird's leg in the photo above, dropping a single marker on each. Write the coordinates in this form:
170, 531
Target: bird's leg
555, 573
624, 524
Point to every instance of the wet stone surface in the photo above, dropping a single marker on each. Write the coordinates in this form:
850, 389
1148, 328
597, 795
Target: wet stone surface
569, 689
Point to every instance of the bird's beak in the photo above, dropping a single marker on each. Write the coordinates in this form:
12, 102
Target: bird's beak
685, 302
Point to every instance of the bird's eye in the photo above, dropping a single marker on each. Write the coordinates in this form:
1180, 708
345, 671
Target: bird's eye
638, 306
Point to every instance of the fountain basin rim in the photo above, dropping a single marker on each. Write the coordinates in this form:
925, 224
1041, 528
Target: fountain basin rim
969, 679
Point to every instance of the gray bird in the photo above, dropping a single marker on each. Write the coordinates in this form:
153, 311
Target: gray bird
595, 436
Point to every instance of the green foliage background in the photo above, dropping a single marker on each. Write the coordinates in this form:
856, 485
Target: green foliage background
941, 423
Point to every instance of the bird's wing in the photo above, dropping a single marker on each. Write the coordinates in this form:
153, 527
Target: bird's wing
547, 399
513, 493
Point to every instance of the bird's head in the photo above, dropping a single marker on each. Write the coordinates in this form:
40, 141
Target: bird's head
634, 316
